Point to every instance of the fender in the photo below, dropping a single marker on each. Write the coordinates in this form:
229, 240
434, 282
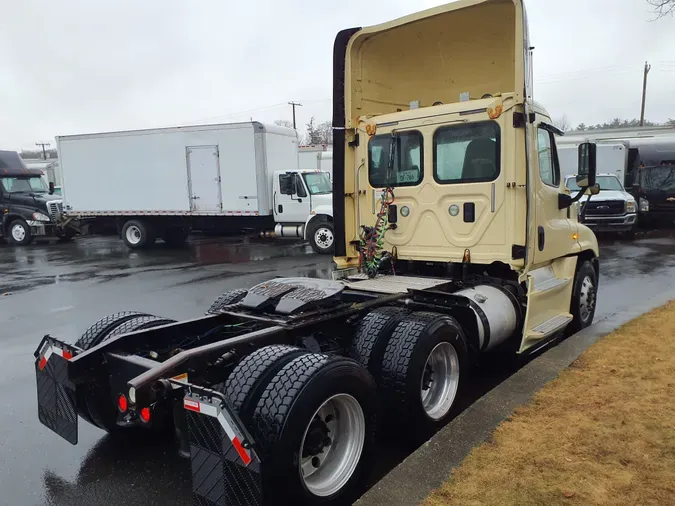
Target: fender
324, 212
586, 241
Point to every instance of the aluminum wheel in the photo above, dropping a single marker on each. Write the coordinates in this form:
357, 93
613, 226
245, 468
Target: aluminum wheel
586, 299
440, 381
133, 234
332, 444
18, 232
323, 238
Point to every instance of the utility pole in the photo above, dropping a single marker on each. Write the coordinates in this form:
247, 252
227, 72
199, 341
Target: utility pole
43, 145
294, 105
644, 93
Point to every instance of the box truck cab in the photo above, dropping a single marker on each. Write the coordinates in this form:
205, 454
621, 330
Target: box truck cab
303, 207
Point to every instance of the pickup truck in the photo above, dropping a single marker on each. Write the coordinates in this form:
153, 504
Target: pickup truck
612, 210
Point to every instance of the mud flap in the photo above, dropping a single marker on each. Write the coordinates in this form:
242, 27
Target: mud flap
55, 392
225, 467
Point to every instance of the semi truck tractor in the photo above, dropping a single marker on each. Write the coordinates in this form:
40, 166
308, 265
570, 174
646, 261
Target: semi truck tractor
454, 237
165, 182
28, 206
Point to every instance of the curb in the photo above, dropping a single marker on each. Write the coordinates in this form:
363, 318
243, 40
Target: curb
430, 465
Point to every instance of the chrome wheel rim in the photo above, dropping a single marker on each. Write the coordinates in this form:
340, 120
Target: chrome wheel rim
18, 232
323, 238
440, 380
586, 299
133, 234
332, 444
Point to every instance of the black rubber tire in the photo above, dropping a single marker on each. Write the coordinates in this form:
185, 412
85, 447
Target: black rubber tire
97, 332
246, 383
584, 269
147, 238
138, 323
315, 225
28, 238
175, 236
403, 364
372, 336
284, 411
227, 299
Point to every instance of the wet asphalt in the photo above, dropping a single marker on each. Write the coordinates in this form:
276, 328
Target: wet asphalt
61, 289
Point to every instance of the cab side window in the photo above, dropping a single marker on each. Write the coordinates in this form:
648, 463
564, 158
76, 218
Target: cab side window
548, 159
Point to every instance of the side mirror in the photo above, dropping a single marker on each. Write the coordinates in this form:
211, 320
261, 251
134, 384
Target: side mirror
287, 184
52, 189
587, 165
595, 189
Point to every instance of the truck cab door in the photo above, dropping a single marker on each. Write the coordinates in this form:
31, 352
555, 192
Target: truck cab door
292, 203
551, 275
553, 234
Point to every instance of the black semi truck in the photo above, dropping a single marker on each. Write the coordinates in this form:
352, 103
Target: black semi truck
28, 206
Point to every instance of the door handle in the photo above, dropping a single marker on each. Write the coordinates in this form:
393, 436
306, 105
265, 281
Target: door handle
542, 238
281, 209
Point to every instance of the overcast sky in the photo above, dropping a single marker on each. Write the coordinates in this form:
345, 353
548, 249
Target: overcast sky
77, 66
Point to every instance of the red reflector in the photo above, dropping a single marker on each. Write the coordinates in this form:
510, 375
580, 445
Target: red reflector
145, 414
241, 451
67, 355
122, 403
42, 363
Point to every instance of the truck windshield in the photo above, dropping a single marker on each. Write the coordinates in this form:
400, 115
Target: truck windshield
318, 183
24, 184
658, 178
605, 182
406, 170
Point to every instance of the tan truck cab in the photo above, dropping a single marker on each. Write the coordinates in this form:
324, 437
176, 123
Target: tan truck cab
438, 107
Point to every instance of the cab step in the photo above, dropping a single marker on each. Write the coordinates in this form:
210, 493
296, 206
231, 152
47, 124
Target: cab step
545, 280
550, 326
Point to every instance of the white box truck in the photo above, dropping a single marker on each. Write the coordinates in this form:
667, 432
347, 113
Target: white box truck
165, 182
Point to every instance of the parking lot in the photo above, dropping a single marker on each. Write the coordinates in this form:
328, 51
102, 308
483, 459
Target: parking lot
61, 289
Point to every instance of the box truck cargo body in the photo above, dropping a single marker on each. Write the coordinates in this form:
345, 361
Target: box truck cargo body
170, 180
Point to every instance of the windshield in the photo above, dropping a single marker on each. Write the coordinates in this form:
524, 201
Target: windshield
605, 182
24, 184
658, 178
318, 183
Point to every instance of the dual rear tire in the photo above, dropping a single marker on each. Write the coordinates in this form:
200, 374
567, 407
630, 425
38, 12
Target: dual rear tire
419, 363
313, 417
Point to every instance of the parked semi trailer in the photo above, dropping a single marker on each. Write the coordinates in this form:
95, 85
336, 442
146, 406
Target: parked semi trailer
165, 182
454, 237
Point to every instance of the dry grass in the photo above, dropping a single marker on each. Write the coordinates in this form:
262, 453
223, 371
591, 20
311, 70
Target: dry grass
603, 432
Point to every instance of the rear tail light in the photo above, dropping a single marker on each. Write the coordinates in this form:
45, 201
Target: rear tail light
122, 403
145, 415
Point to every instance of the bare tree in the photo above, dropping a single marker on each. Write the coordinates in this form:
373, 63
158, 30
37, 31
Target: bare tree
662, 7
562, 123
